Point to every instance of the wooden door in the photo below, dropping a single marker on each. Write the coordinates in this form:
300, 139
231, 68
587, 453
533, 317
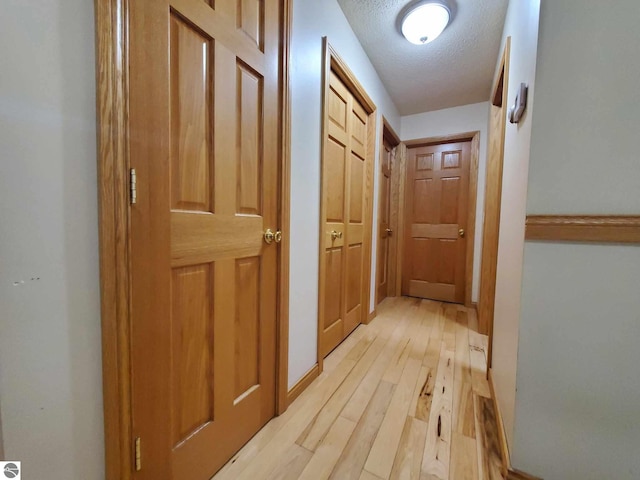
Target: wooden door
384, 225
343, 226
204, 142
436, 216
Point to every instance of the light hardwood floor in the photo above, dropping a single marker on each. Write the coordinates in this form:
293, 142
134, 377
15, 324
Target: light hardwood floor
405, 397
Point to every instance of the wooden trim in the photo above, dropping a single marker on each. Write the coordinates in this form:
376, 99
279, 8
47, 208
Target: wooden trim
455, 137
333, 62
345, 74
326, 69
507, 471
372, 315
368, 257
471, 217
282, 396
474, 138
399, 178
302, 384
386, 134
389, 133
492, 206
113, 162
584, 228
514, 474
502, 437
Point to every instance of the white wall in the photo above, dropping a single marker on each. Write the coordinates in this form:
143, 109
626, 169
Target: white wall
311, 21
578, 397
522, 26
50, 361
467, 118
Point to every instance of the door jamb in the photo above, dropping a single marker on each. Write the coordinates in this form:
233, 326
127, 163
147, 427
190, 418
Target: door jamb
474, 138
386, 133
490, 241
333, 61
113, 162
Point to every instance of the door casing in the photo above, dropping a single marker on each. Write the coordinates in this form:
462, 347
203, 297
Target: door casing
474, 137
391, 137
333, 62
493, 199
113, 192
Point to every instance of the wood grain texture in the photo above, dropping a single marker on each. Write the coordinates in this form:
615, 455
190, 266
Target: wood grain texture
348, 132
284, 212
113, 160
463, 462
490, 461
382, 454
584, 228
302, 384
471, 216
432, 230
351, 411
502, 437
113, 20
493, 197
355, 454
514, 474
387, 241
398, 188
328, 452
408, 460
437, 452
293, 463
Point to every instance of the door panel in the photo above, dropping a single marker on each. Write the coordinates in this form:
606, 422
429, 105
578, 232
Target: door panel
384, 225
437, 203
344, 182
191, 380
204, 122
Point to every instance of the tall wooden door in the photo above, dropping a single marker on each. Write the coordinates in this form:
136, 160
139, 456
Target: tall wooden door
384, 221
204, 133
344, 181
436, 216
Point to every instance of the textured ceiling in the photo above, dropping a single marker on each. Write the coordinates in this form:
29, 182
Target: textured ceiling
455, 69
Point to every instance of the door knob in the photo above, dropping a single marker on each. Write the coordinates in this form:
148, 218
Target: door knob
389, 232
461, 232
270, 236
335, 235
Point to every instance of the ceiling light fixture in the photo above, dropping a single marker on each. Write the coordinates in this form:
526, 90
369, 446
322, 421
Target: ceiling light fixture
424, 22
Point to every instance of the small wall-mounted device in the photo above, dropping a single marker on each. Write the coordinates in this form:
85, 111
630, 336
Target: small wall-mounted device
516, 112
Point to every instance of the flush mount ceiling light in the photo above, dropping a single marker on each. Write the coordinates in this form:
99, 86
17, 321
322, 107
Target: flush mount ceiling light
423, 23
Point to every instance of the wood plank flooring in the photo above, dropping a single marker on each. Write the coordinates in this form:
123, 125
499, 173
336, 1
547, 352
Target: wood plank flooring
405, 397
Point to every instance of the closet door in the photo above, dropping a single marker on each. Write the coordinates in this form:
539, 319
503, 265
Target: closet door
344, 182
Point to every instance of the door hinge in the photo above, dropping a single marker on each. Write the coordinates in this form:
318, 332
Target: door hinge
138, 455
133, 186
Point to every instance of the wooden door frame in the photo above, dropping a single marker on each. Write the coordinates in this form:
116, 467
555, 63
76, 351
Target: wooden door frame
490, 240
474, 138
113, 163
331, 61
386, 133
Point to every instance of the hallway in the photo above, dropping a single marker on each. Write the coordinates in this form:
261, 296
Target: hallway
405, 397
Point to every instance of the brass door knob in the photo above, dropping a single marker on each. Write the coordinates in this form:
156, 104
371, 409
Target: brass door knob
269, 236
389, 232
335, 235
461, 232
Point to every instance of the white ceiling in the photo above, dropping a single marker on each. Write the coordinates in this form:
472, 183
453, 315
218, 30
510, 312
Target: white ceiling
455, 69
